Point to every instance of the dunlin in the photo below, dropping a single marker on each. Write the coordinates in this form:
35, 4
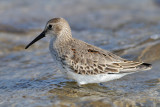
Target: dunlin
81, 61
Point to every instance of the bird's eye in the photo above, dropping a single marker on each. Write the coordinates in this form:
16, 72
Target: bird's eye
49, 26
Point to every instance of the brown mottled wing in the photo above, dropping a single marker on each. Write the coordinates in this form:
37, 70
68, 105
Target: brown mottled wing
87, 59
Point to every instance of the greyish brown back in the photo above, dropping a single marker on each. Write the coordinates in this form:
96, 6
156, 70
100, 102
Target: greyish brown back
87, 59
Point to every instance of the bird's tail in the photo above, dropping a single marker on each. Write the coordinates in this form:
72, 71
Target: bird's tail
138, 67
144, 66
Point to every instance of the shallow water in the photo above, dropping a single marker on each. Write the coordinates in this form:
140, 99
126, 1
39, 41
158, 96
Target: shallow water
30, 77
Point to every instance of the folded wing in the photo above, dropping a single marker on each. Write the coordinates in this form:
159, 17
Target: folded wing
92, 60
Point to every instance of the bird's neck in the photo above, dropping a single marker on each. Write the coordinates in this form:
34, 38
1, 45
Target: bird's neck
60, 41
63, 38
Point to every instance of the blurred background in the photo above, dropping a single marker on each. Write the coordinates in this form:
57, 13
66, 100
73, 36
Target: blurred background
129, 28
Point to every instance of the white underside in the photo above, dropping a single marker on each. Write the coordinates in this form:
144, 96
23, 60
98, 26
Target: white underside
85, 79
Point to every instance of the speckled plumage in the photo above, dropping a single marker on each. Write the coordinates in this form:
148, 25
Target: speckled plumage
85, 60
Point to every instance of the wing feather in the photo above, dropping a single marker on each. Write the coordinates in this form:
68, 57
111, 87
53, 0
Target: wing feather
86, 59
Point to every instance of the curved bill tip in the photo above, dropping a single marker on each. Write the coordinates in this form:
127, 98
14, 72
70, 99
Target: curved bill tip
36, 39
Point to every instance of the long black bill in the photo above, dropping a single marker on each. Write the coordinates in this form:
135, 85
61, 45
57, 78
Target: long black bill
36, 39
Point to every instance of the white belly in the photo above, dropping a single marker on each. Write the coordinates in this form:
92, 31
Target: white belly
85, 79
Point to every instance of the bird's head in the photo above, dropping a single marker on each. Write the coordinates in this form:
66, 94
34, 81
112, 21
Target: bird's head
56, 27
